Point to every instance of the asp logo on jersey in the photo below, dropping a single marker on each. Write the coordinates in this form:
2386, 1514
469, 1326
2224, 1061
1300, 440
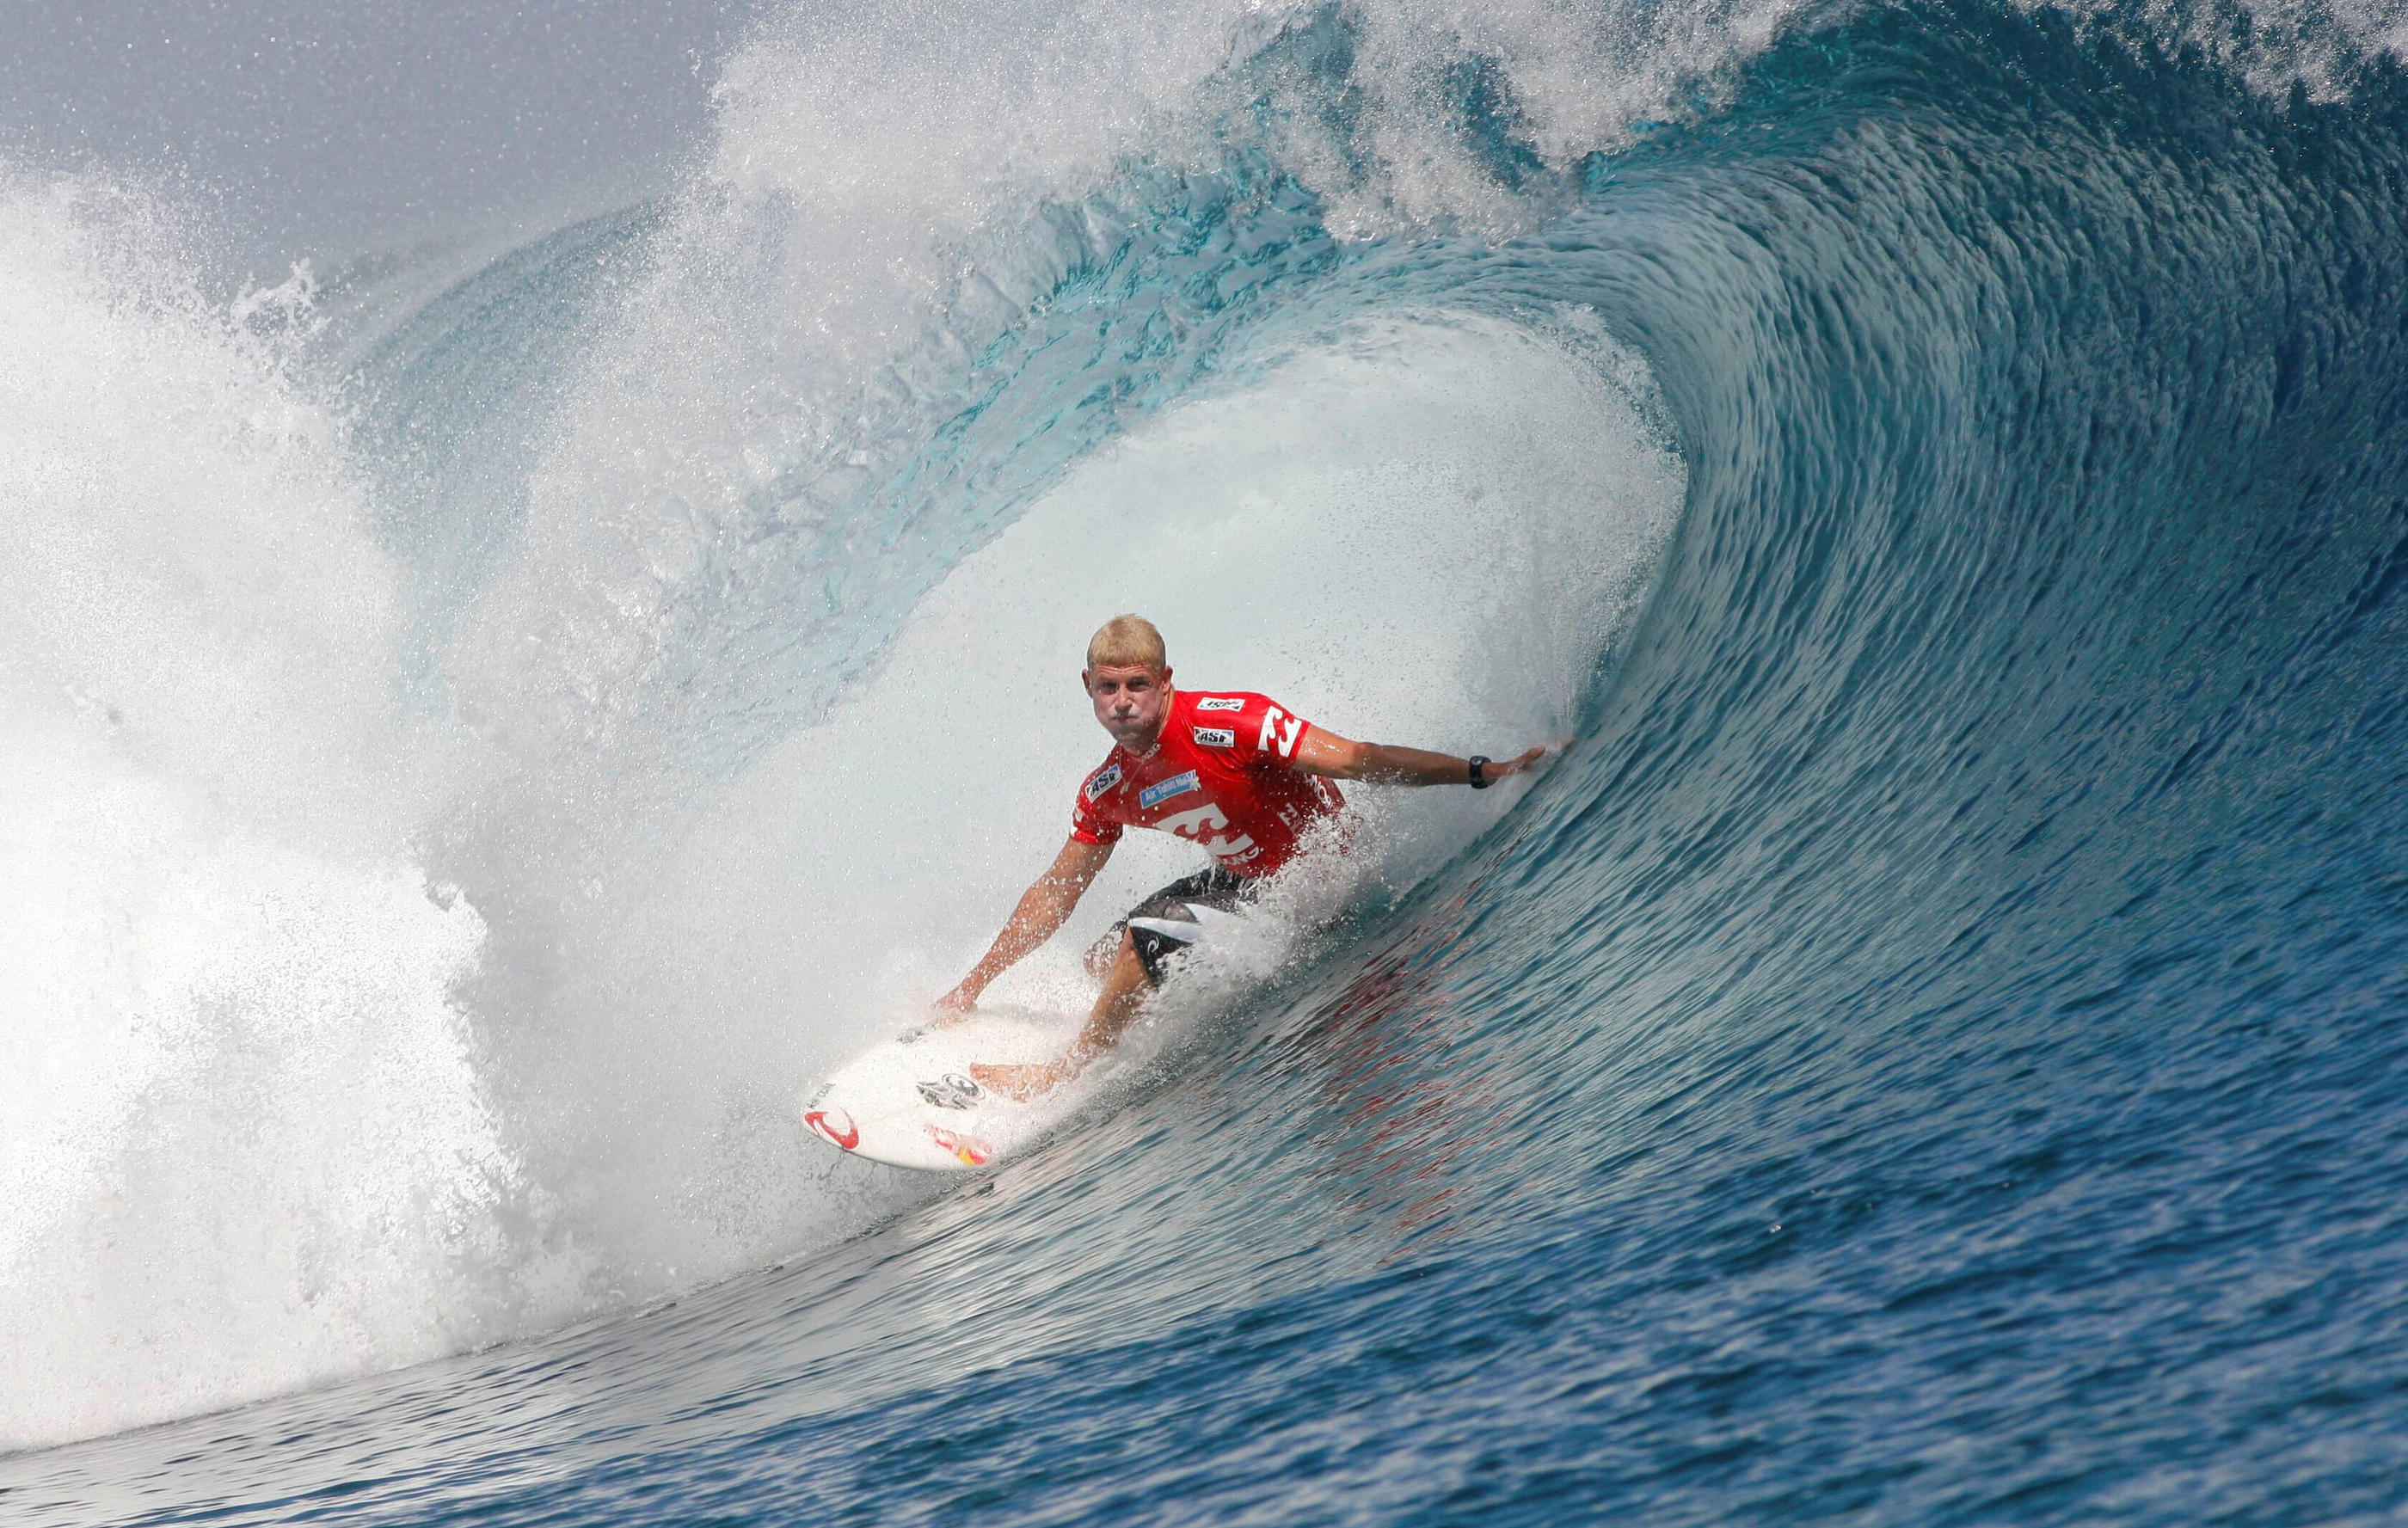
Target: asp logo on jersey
1215, 736
1103, 782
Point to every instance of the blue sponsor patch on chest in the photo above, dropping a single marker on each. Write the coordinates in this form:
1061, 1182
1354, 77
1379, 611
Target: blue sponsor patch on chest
1162, 791
1105, 779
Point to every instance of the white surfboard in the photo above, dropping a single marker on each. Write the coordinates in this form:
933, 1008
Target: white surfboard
910, 1102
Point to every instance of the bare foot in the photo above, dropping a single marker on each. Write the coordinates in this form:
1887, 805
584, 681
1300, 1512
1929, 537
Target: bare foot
1022, 1082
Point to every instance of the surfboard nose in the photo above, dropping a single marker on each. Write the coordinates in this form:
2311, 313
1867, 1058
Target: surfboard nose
836, 1126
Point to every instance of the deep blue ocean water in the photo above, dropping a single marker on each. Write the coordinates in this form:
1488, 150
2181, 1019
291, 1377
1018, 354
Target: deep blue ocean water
1932, 1052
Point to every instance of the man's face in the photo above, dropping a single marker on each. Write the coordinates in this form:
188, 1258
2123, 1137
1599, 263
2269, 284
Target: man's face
1130, 701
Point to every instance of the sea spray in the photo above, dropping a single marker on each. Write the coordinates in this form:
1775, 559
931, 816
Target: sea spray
243, 1144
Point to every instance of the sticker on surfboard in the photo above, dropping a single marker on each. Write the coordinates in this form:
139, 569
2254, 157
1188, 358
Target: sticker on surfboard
913, 1102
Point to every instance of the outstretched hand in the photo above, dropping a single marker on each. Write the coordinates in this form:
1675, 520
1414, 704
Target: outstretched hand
1497, 769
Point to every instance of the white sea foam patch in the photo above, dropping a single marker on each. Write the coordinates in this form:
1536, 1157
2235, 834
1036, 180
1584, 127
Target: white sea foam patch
242, 1143
241, 1148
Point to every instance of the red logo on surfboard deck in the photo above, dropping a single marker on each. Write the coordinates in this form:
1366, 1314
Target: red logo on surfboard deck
972, 1153
836, 1125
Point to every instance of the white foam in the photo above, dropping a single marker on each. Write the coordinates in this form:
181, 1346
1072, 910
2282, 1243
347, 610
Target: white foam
241, 1143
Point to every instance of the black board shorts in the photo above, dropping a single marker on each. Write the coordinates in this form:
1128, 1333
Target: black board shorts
1169, 911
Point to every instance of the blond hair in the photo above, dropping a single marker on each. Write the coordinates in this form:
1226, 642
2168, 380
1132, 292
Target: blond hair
1126, 641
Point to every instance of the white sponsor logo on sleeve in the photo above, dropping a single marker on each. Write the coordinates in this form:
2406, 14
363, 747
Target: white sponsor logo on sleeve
1103, 782
1279, 733
1221, 703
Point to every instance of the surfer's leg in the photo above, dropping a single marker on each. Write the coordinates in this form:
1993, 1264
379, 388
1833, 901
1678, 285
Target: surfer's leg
1100, 955
1140, 962
1106, 949
1127, 986
1139, 958
1167, 922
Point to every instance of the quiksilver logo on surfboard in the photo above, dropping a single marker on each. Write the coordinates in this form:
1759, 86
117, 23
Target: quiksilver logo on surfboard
951, 1090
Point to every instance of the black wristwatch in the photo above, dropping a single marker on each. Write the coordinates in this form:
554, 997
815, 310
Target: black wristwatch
1479, 780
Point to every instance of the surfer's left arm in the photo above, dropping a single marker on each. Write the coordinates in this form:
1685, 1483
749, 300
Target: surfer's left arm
1325, 753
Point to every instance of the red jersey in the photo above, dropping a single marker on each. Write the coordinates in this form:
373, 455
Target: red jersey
1218, 776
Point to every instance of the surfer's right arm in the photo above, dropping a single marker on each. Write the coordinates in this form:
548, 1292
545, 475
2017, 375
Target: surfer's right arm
1043, 909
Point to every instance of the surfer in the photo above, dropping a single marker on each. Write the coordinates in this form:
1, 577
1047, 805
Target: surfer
1229, 770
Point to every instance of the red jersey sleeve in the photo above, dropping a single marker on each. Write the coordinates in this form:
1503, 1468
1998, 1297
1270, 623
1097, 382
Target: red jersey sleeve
1088, 824
1262, 730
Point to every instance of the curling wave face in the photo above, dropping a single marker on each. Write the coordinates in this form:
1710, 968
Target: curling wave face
1924, 1053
